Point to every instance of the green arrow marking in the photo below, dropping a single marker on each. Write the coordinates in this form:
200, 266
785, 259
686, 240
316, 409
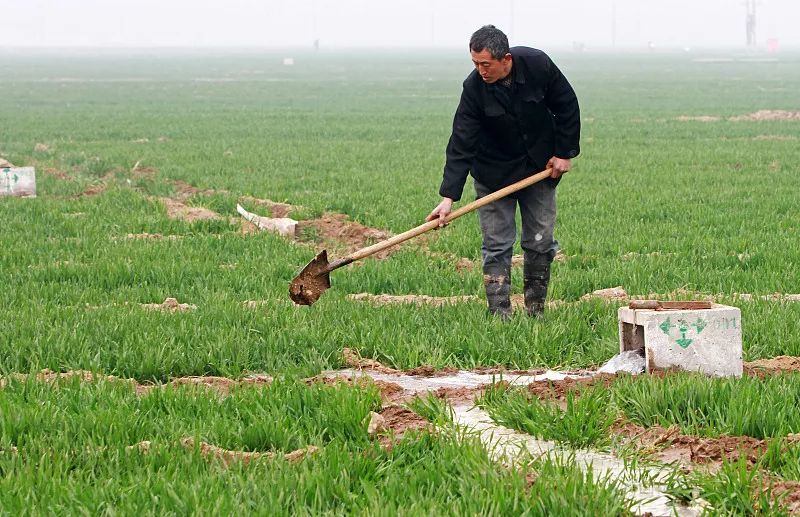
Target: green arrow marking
683, 342
666, 326
699, 325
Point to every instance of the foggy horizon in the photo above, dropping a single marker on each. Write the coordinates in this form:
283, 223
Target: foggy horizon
356, 24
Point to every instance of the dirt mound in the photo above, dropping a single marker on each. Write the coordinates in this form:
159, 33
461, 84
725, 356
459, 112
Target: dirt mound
698, 118
152, 236
669, 445
397, 421
338, 231
178, 210
5, 164
210, 452
169, 305
40, 148
184, 190
354, 360
277, 210
789, 494
611, 294
418, 299
390, 391
138, 171
430, 371
783, 363
767, 115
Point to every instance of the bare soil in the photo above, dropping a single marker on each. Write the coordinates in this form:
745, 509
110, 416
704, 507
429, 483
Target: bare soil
700, 118
558, 390
276, 209
611, 293
152, 236
762, 367
398, 421
184, 190
338, 231
354, 360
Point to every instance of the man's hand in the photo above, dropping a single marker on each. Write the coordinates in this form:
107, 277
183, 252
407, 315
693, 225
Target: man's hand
559, 165
441, 211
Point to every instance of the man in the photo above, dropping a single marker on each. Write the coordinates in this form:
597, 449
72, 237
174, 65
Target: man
518, 115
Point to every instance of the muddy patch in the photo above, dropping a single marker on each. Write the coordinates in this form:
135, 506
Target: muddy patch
212, 452
416, 299
169, 305
339, 232
770, 115
179, 211
460, 396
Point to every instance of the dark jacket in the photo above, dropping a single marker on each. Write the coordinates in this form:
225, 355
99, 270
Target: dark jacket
502, 138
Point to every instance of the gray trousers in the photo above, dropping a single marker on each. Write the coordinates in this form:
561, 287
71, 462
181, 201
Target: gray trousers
537, 205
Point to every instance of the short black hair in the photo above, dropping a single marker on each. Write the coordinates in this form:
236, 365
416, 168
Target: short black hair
490, 38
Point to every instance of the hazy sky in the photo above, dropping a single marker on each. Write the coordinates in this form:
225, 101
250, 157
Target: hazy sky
379, 23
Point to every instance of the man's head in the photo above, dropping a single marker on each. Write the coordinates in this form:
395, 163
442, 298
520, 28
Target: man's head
490, 53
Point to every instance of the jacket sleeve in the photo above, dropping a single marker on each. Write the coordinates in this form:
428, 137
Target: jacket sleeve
562, 102
462, 146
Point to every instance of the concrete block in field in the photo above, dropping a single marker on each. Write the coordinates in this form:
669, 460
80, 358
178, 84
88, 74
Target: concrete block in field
18, 181
702, 340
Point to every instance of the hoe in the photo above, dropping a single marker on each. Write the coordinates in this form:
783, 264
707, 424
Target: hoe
314, 279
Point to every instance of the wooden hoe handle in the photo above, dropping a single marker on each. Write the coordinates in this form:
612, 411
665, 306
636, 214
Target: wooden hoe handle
430, 225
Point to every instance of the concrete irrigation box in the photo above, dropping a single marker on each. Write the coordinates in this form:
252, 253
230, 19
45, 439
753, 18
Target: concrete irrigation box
702, 340
18, 181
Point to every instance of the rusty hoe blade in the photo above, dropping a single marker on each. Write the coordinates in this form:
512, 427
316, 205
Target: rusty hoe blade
314, 279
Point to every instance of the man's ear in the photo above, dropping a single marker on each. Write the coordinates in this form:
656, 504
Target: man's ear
507, 57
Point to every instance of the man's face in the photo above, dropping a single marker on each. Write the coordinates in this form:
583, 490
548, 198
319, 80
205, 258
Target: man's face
491, 69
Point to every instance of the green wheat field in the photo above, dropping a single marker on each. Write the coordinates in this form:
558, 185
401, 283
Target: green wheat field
679, 192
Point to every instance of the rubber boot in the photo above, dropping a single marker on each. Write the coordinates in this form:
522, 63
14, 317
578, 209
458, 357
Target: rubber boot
498, 293
536, 271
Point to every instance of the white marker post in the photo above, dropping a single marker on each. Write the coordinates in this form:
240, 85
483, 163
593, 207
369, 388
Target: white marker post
18, 182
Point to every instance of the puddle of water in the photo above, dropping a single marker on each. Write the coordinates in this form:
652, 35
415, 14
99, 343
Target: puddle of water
462, 379
505, 444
